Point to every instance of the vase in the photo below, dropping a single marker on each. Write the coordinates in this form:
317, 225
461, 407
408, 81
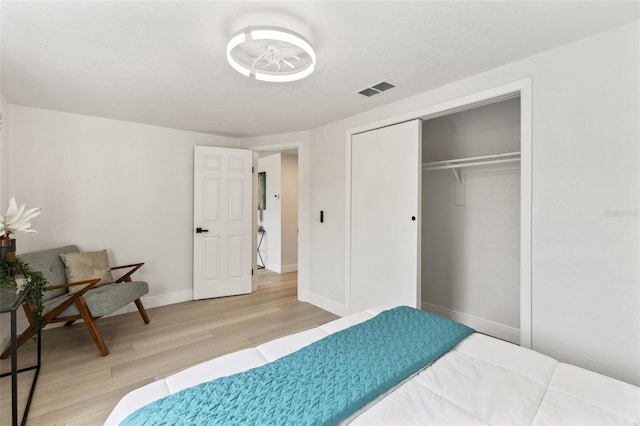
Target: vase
7, 248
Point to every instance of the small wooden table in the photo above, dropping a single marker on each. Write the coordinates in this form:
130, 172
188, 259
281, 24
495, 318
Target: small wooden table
9, 303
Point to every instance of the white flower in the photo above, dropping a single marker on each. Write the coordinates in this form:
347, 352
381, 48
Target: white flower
16, 219
20, 283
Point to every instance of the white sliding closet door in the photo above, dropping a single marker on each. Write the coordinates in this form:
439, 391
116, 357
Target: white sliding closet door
385, 214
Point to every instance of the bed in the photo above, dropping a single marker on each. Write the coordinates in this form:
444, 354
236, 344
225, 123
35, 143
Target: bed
480, 380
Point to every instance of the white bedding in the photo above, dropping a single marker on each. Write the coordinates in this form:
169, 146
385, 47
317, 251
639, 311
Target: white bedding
482, 380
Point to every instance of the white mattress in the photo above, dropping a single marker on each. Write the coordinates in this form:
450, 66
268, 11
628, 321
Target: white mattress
482, 380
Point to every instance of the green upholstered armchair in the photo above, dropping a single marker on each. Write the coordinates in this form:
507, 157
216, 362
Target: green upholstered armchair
85, 299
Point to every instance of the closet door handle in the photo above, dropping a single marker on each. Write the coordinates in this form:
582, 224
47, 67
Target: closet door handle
413, 218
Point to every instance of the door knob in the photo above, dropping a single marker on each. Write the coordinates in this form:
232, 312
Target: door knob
200, 230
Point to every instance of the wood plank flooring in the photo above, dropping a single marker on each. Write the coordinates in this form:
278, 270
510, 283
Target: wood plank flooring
77, 386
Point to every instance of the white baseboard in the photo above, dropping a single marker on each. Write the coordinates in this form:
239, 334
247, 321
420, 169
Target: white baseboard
482, 325
289, 268
322, 303
272, 267
281, 269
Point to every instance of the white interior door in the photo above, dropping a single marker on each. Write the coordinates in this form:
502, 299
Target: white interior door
222, 242
385, 215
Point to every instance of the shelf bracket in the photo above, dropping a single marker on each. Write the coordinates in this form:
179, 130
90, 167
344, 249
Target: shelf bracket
456, 173
461, 189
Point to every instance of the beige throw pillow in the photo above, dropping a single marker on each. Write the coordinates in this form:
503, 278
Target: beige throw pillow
85, 266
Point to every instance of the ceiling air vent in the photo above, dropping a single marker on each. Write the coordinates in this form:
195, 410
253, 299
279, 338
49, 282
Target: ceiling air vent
376, 88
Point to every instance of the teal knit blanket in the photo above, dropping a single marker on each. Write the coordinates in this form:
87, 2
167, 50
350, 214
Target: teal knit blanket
321, 384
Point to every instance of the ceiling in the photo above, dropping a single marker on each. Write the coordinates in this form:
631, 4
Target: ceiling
163, 63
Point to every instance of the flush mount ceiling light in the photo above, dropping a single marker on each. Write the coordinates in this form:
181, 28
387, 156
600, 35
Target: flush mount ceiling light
271, 54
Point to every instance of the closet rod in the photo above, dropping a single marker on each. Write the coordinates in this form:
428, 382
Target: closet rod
483, 157
452, 165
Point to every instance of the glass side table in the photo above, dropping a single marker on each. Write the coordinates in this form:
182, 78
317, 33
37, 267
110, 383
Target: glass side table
9, 303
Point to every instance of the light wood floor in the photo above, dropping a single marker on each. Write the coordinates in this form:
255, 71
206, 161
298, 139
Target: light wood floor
77, 386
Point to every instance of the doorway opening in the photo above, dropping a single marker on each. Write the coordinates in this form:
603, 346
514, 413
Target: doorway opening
277, 201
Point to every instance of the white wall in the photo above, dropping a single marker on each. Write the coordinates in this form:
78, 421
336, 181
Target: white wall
326, 244
289, 219
485, 130
4, 153
110, 184
471, 249
585, 246
270, 218
4, 192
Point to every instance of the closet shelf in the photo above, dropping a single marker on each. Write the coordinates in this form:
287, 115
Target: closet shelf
455, 164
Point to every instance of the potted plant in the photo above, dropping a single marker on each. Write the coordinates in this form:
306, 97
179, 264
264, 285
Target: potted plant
15, 273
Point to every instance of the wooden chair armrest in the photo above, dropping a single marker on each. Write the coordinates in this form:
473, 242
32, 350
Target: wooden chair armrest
74, 297
91, 283
127, 276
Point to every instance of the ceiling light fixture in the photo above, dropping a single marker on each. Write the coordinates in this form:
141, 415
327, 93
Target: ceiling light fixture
271, 54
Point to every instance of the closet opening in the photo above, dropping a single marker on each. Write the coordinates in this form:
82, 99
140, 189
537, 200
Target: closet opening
471, 214
452, 264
